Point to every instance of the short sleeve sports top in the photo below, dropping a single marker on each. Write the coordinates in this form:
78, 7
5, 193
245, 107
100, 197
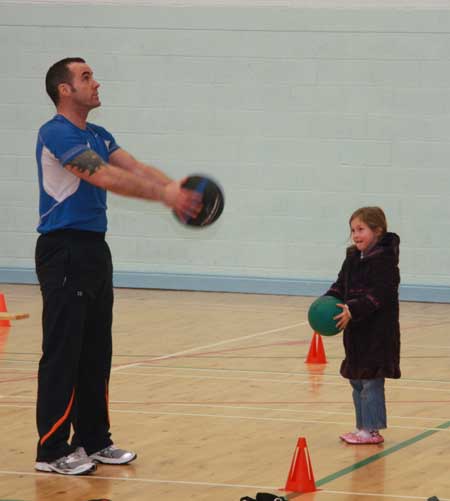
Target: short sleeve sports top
66, 201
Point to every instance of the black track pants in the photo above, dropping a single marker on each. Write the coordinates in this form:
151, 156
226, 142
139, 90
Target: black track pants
74, 269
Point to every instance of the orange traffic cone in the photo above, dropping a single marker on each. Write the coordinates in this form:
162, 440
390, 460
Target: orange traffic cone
301, 477
316, 353
3, 323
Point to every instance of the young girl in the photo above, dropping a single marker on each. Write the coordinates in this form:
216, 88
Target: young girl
368, 287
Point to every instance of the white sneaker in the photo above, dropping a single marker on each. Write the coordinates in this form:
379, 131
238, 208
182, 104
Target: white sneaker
113, 455
77, 463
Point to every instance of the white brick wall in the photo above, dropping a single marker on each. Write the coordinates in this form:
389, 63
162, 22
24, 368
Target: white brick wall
303, 114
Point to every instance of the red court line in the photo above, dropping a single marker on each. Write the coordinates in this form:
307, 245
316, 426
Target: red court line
229, 350
286, 343
17, 379
248, 402
275, 402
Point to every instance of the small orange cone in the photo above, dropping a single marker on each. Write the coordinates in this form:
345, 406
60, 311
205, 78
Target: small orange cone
3, 323
316, 353
301, 477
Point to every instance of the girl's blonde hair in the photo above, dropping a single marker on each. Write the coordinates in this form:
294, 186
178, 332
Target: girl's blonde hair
374, 217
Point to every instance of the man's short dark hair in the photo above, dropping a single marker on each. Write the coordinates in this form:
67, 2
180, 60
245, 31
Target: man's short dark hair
57, 74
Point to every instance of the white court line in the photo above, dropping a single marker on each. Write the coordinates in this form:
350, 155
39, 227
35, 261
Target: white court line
224, 378
281, 420
399, 382
392, 382
396, 496
245, 418
211, 484
233, 307
207, 346
146, 480
245, 407
279, 409
284, 381
243, 371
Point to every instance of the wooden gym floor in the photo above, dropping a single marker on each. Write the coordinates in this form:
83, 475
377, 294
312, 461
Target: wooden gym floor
212, 391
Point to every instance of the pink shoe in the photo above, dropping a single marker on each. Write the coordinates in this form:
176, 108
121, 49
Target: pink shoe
363, 438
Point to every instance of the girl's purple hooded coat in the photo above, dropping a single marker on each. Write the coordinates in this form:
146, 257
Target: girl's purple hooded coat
369, 286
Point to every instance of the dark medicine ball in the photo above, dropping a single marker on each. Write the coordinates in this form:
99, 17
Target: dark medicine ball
212, 199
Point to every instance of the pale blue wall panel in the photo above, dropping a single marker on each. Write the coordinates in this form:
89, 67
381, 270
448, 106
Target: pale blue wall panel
432, 101
302, 114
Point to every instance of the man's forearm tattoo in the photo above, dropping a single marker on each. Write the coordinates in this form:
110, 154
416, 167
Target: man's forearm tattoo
87, 161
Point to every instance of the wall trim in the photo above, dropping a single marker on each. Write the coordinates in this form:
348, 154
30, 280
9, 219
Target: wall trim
224, 283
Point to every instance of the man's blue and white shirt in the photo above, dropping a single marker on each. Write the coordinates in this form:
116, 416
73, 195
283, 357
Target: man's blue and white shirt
66, 201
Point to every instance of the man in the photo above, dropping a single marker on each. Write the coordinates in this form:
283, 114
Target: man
78, 162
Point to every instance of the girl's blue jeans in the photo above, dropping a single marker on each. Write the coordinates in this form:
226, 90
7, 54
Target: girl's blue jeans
370, 403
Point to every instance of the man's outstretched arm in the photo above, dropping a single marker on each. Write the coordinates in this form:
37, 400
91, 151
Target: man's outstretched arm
121, 158
90, 167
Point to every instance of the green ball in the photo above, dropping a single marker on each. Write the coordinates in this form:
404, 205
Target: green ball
321, 313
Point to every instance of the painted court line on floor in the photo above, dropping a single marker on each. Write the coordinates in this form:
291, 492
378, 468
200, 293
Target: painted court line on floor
237, 417
227, 378
274, 409
210, 484
147, 365
395, 383
319, 483
342, 383
207, 346
261, 408
282, 420
371, 459
16, 399
382, 454
395, 496
145, 480
435, 429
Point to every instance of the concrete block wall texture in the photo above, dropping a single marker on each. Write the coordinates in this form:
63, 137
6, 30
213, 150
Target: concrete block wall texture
303, 111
